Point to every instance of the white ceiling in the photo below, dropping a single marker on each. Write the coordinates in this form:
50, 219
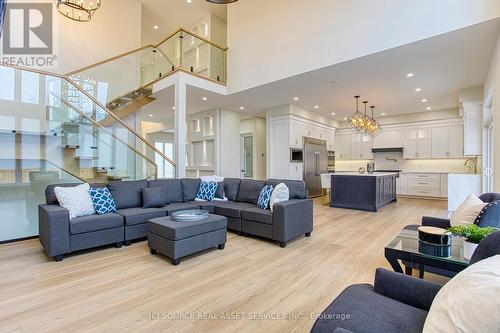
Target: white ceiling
442, 65
169, 15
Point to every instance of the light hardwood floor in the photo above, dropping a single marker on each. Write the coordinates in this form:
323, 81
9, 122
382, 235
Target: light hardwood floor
123, 290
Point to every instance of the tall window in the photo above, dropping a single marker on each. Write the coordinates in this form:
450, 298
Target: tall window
165, 169
7, 83
30, 87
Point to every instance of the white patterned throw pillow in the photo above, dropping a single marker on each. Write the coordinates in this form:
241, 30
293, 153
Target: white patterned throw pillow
76, 200
280, 194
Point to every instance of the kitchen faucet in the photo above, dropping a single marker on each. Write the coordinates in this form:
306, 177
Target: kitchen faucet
472, 159
391, 159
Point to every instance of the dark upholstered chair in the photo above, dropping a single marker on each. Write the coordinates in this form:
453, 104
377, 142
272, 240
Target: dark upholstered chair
395, 303
490, 217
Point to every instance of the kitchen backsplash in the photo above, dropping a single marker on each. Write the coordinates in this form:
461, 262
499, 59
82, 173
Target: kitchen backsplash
385, 161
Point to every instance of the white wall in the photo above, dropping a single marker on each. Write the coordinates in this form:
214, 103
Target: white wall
228, 143
114, 29
492, 100
296, 36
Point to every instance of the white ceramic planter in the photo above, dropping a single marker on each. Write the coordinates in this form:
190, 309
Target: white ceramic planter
469, 249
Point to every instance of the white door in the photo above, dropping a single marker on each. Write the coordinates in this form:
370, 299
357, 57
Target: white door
247, 156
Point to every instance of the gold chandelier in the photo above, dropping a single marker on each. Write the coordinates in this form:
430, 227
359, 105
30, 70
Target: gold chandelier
363, 124
78, 10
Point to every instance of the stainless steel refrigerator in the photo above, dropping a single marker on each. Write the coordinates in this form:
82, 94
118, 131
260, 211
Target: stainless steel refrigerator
315, 163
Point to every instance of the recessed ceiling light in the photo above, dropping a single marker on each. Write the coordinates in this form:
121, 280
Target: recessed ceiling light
345, 118
333, 113
383, 113
173, 107
155, 27
204, 98
151, 115
295, 98
418, 89
424, 100
428, 108
316, 106
242, 108
189, 1
409, 75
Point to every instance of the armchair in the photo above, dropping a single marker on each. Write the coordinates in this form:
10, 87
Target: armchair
395, 303
490, 218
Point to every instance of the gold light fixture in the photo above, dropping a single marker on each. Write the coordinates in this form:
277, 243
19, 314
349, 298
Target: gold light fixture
373, 128
363, 124
78, 10
356, 121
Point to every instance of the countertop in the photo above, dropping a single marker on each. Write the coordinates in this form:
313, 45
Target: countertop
366, 174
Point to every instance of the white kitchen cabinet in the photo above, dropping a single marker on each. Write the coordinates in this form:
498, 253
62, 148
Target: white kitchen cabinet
297, 131
402, 184
444, 185
447, 142
296, 171
417, 143
343, 144
456, 141
424, 184
388, 139
330, 140
473, 128
361, 147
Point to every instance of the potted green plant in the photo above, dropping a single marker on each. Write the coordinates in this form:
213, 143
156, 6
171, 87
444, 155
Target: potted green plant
473, 236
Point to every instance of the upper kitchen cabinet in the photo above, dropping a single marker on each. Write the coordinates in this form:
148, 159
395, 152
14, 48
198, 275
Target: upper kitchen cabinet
448, 142
297, 132
361, 147
473, 127
330, 140
343, 144
417, 143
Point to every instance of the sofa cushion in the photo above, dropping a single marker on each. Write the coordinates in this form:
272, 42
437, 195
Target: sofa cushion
231, 188
127, 194
207, 191
89, 223
172, 189
138, 215
296, 188
231, 209
172, 208
250, 190
76, 200
469, 301
50, 195
369, 312
219, 193
103, 200
190, 188
152, 197
257, 214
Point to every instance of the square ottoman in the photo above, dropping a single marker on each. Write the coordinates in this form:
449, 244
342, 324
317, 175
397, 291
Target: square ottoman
179, 239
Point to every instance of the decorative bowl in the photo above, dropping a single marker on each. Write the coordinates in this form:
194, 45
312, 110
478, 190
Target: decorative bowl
433, 235
189, 215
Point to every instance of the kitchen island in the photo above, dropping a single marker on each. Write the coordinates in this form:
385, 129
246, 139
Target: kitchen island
367, 192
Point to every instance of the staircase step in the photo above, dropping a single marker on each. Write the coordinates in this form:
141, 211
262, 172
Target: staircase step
87, 158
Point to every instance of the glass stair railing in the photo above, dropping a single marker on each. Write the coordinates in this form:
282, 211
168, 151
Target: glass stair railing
52, 131
124, 83
57, 121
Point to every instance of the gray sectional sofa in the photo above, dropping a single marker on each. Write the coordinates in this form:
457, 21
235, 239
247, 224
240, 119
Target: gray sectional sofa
60, 236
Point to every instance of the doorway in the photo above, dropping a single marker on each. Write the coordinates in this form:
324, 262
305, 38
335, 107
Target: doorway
246, 155
490, 151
